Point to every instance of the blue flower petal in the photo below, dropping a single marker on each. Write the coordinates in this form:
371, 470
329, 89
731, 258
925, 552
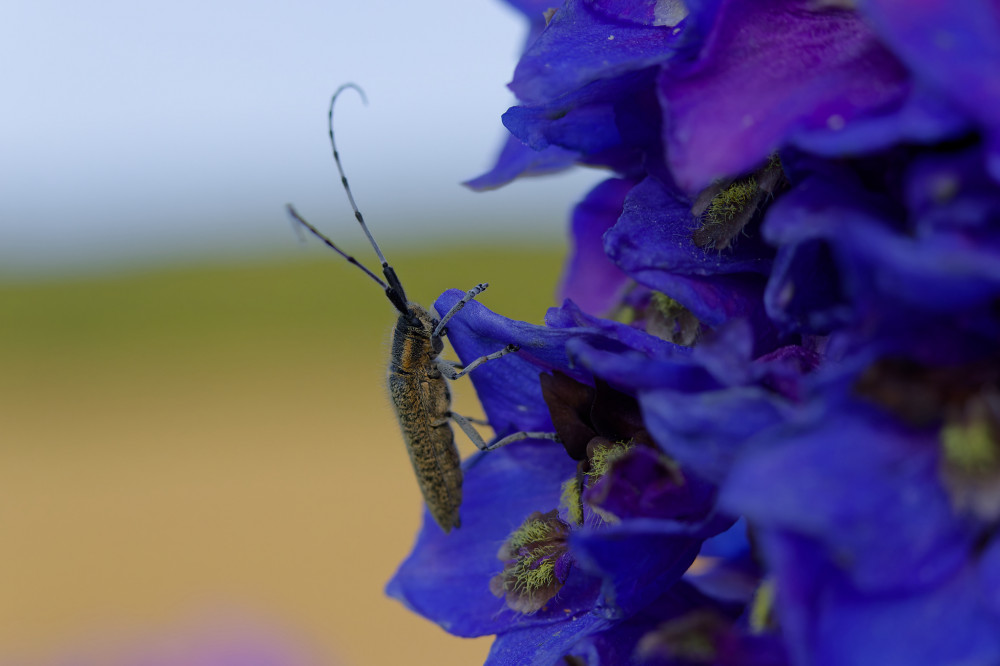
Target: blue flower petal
706, 432
656, 231
771, 71
584, 129
952, 47
619, 644
604, 332
653, 243
827, 621
640, 559
446, 578
989, 576
591, 279
943, 270
863, 486
543, 644
517, 159
642, 484
508, 387
580, 46
636, 371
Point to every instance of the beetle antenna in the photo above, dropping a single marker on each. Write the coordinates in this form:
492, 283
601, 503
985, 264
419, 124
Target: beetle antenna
318, 234
394, 289
340, 167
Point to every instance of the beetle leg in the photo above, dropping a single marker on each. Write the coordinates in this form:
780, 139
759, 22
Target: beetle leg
466, 426
449, 368
518, 436
472, 293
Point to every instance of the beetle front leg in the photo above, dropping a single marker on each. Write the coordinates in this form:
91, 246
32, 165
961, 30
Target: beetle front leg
450, 369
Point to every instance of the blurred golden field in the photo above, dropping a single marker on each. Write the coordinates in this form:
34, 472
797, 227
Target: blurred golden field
184, 444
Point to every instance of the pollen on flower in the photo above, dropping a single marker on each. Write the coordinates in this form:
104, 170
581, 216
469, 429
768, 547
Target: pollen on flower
536, 563
762, 608
536, 528
605, 456
533, 575
570, 500
728, 210
970, 446
732, 201
692, 638
725, 209
669, 320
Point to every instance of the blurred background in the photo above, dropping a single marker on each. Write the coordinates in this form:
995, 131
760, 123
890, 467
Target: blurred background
196, 452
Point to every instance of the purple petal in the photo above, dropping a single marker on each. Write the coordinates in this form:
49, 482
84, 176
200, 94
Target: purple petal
864, 487
615, 334
653, 243
642, 485
517, 159
508, 387
588, 129
923, 117
827, 621
580, 46
591, 279
612, 122
772, 71
617, 645
953, 47
543, 644
656, 229
640, 559
636, 371
807, 292
446, 578
989, 576
952, 192
707, 431
945, 270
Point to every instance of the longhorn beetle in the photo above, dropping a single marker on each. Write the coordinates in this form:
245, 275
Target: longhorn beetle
418, 386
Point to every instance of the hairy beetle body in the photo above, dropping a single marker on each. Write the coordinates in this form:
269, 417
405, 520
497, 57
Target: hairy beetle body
422, 400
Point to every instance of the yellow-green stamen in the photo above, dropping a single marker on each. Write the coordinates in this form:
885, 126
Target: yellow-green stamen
970, 446
605, 456
762, 607
732, 202
569, 499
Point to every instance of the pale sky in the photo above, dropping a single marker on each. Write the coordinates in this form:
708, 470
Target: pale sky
139, 130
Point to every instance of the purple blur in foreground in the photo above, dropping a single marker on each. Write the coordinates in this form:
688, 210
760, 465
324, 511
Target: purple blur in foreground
775, 371
201, 641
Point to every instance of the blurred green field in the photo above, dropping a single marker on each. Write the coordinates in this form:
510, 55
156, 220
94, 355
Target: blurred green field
216, 439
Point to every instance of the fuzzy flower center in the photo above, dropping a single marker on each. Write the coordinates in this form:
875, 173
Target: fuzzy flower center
725, 209
605, 456
536, 563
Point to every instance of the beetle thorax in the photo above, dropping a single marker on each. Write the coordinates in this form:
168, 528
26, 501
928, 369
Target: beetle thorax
412, 338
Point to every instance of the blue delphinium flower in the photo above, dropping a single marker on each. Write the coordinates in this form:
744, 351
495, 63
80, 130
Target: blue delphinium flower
775, 374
